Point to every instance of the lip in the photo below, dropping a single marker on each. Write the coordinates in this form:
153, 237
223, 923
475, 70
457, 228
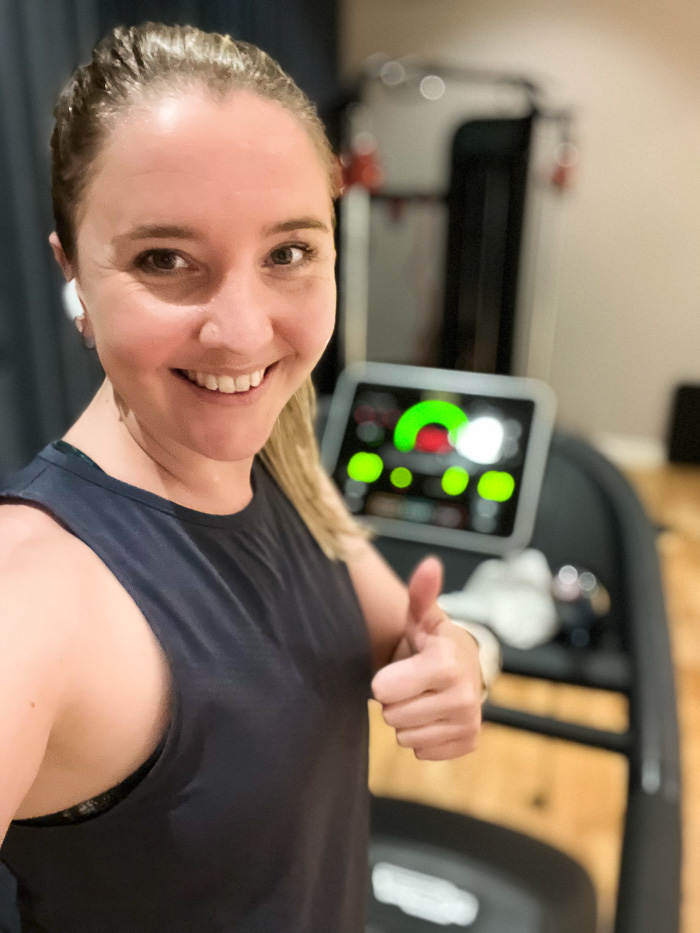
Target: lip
223, 398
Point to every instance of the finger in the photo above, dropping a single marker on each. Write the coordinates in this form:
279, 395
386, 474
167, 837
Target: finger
432, 736
446, 706
413, 713
424, 613
447, 751
411, 678
424, 587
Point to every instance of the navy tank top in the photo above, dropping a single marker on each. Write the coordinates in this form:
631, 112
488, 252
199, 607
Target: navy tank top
254, 818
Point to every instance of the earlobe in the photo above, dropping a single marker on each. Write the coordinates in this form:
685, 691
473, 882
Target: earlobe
72, 300
60, 257
85, 332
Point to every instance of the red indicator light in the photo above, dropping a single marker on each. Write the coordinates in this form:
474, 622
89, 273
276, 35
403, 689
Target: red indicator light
432, 439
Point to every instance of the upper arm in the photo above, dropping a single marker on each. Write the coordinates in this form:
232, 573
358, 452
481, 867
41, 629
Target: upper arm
382, 595
34, 647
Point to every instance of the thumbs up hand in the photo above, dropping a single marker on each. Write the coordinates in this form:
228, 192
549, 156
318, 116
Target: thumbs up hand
431, 690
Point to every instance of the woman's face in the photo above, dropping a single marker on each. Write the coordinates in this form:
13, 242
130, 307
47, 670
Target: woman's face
205, 263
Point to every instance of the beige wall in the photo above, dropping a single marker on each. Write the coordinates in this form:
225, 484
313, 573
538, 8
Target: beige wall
628, 325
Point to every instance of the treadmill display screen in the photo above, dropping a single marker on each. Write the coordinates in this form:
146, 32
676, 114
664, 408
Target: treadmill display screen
434, 458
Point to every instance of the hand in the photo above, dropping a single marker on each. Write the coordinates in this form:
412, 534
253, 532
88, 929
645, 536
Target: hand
431, 691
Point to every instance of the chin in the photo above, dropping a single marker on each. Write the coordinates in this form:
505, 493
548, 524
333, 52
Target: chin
228, 449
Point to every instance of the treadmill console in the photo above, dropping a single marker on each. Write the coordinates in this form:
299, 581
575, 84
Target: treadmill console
446, 457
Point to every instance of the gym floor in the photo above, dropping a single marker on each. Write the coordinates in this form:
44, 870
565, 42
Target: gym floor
571, 796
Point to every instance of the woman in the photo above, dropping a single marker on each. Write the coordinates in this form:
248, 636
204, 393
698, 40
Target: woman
190, 619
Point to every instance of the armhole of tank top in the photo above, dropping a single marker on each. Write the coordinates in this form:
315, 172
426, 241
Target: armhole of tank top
101, 803
106, 800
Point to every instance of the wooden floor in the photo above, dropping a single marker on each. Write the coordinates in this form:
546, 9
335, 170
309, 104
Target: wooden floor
570, 796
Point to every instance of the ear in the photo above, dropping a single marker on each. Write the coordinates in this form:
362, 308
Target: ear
60, 257
72, 300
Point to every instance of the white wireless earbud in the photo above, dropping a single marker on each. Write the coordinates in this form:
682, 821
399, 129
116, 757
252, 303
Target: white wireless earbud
71, 302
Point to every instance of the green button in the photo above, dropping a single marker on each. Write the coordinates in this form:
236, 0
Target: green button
365, 467
401, 477
496, 486
454, 480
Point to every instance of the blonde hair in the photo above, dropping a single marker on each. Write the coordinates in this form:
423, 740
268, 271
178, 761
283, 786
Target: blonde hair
291, 455
131, 65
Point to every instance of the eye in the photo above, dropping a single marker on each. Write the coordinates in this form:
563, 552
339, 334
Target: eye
161, 261
292, 254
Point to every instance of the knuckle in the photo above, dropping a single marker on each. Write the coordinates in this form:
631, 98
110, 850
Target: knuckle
470, 698
379, 691
472, 726
391, 718
451, 670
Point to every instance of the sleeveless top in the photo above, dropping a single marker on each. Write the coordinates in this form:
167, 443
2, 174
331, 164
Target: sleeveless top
87, 809
254, 817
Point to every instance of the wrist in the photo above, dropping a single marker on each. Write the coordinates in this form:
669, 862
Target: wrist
490, 660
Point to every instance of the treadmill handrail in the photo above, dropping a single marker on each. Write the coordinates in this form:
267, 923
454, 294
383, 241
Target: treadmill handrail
650, 869
552, 727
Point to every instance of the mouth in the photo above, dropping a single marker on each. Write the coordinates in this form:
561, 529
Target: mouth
224, 384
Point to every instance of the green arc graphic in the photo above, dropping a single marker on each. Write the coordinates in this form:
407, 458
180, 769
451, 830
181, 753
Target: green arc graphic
432, 411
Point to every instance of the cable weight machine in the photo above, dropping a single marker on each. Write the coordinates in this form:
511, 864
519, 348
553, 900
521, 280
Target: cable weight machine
448, 224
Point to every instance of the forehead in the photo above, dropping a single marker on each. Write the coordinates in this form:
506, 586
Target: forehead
193, 154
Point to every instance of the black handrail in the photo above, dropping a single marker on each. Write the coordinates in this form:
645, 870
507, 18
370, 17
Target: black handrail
609, 740
650, 870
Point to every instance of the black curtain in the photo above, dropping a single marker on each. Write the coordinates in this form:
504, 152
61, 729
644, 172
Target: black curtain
46, 377
42, 375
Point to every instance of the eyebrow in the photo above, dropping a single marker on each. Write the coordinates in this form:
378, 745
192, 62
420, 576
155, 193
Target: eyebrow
174, 231
298, 223
157, 232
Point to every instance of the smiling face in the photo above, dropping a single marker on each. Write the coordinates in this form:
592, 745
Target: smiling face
205, 263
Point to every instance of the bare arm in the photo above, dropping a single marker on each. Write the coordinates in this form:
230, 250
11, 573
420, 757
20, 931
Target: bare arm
35, 621
383, 597
427, 674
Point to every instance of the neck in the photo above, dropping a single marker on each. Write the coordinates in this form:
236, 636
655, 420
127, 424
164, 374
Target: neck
128, 451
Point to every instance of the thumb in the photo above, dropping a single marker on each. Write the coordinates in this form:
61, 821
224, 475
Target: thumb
424, 614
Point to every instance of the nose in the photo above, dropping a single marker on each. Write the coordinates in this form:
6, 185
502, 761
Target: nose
238, 317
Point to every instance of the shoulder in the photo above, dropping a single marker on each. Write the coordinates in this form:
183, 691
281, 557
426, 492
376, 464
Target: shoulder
42, 569
29, 530
40, 583
49, 581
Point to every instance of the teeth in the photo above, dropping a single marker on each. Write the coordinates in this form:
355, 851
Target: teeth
226, 384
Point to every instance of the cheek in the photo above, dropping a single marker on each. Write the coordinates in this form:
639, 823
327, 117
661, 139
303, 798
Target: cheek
314, 318
142, 333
